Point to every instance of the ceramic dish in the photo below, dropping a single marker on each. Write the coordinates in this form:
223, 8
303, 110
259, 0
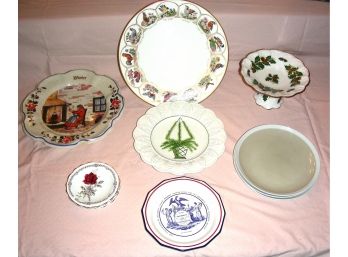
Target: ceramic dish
68, 108
179, 137
276, 161
173, 50
183, 213
274, 74
93, 185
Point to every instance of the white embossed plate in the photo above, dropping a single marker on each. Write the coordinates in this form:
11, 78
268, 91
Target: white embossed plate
183, 213
179, 137
173, 50
68, 108
276, 161
93, 185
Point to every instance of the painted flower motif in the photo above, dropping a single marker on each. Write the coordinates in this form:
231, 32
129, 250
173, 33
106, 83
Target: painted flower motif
115, 103
67, 139
150, 91
207, 25
148, 19
31, 106
90, 189
216, 44
215, 64
167, 11
133, 35
206, 82
189, 13
129, 56
134, 77
167, 95
90, 179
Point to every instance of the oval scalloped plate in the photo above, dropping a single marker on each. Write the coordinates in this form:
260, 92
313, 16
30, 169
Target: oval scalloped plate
183, 213
179, 137
172, 51
68, 108
274, 73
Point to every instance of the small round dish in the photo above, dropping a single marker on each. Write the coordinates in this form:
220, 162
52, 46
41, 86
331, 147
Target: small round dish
179, 137
66, 109
276, 161
274, 74
183, 213
173, 51
93, 185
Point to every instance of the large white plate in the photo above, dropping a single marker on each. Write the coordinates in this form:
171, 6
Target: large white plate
183, 213
68, 108
276, 161
93, 185
179, 137
173, 50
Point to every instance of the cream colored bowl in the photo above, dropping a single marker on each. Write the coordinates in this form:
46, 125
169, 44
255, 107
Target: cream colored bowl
276, 161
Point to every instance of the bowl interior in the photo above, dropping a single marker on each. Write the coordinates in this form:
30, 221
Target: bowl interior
275, 73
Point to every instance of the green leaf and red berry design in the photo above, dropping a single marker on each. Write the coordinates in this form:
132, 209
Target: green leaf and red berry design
259, 63
273, 78
294, 75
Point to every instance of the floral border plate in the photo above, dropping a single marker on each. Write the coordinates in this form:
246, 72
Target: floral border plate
68, 108
179, 137
173, 50
93, 185
183, 213
274, 74
276, 161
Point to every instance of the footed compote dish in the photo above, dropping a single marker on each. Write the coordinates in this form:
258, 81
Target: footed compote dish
274, 74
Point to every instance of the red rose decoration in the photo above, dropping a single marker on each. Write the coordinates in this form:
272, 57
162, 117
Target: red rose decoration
31, 106
90, 179
115, 103
67, 140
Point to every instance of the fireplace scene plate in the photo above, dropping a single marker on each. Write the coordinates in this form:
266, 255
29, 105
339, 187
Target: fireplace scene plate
179, 137
68, 108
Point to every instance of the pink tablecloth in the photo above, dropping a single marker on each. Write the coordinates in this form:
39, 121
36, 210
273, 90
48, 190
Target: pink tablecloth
57, 36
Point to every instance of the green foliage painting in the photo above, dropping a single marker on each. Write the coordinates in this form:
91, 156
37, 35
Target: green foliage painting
259, 63
273, 78
179, 146
294, 75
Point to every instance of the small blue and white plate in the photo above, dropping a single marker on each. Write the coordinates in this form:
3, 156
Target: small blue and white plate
183, 213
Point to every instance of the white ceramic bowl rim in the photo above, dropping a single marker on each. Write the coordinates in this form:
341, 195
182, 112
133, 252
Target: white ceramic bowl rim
289, 58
